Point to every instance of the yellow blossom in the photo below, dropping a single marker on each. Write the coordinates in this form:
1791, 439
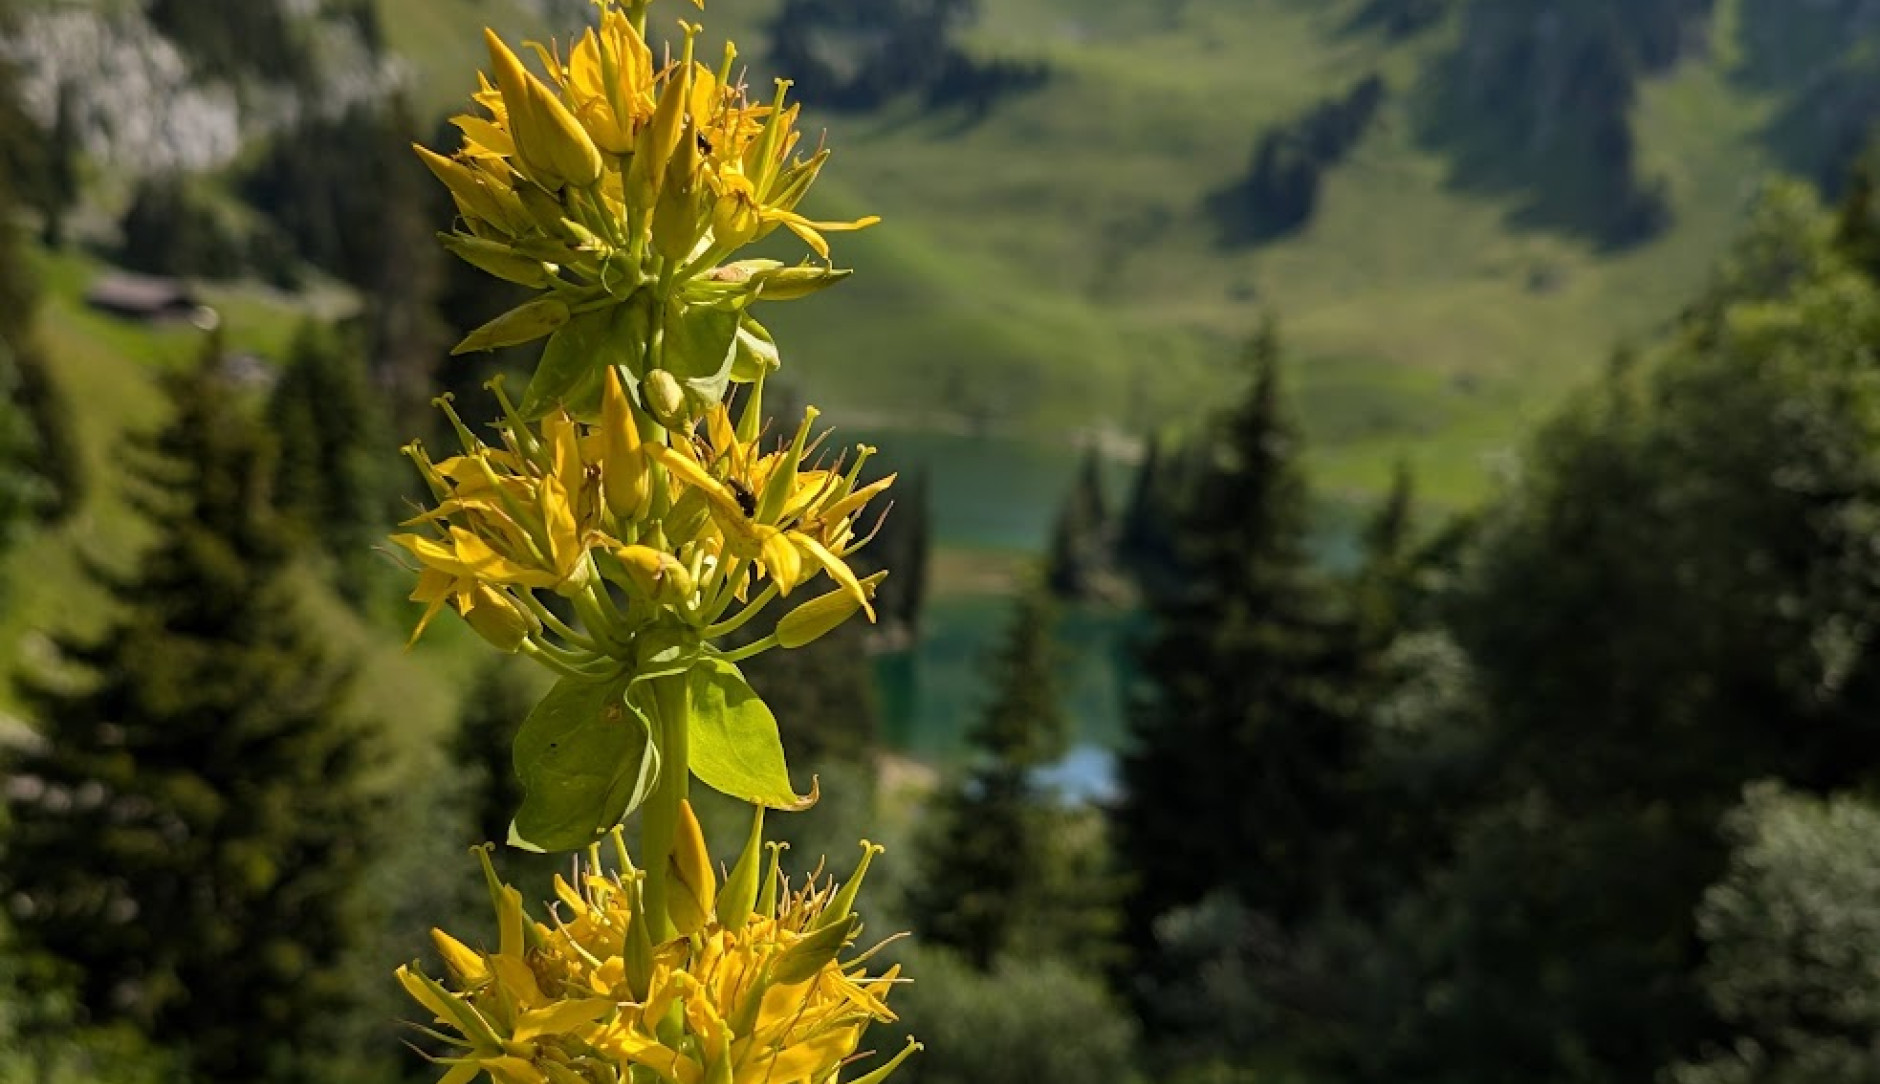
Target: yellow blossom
767, 999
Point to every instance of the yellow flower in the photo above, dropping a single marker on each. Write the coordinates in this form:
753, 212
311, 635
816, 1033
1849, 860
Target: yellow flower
792, 522
610, 174
768, 1000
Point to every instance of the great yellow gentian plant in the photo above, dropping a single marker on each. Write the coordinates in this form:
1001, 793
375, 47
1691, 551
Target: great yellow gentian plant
616, 526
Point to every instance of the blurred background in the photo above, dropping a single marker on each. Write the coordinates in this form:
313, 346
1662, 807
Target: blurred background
1386, 558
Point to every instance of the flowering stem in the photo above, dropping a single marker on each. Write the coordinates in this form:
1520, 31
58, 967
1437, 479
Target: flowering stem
659, 818
743, 616
535, 651
750, 650
598, 614
555, 624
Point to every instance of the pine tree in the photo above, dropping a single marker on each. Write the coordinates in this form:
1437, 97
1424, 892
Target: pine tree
61, 179
1856, 231
1244, 739
333, 439
1004, 870
1385, 581
188, 826
1079, 558
45, 464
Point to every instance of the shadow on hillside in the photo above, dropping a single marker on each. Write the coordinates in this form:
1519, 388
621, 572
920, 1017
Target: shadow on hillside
1826, 60
1538, 110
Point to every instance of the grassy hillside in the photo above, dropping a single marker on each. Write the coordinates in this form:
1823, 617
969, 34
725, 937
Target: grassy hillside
1055, 261
1053, 267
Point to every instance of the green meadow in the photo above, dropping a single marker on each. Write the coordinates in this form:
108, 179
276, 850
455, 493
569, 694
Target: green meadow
1049, 273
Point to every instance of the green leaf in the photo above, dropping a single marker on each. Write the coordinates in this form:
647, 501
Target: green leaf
701, 348
756, 352
735, 748
633, 329
572, 359
524, 323
586, 758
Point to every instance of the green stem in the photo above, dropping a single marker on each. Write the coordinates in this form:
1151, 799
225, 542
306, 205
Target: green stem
749, 651
556, 625
743, 617
659, 818
534, 651
599, 613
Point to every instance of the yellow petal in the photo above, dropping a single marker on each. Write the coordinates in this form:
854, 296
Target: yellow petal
514, 975
512, 1070
484, 138
694, 476
853, 503
465, 964
560, 1018
485, 564
782, 559
809, 1060
837, 568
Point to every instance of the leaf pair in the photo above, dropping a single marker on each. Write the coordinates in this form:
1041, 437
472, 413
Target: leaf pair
588, 756
704, 348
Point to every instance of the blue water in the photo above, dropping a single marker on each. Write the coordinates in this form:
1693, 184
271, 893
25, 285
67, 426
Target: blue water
998, 496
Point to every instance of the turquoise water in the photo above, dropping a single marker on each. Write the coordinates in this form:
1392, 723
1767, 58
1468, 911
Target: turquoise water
996, 496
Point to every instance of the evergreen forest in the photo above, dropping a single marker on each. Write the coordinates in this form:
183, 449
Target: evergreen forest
1382, 583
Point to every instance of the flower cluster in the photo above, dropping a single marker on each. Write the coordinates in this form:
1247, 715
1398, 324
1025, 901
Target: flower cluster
621, 188
752, 990
620, 527
681, 528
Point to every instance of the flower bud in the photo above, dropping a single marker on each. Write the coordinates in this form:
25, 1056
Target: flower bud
546, 213
569, 147
656, 575
676, 215
626, 473
693, 886
496, 259
499, 619
820, 616
791, 283
647, 171
664, 397
519, 104
474, 199
524, 323
637, 953
739, 898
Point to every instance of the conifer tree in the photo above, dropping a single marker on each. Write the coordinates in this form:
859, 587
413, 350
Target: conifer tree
61, 178
329, 479
1856, 230
47, 472
1246, 735
997, 866
188, 825
1384, 582
1080, 553
1141, 530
